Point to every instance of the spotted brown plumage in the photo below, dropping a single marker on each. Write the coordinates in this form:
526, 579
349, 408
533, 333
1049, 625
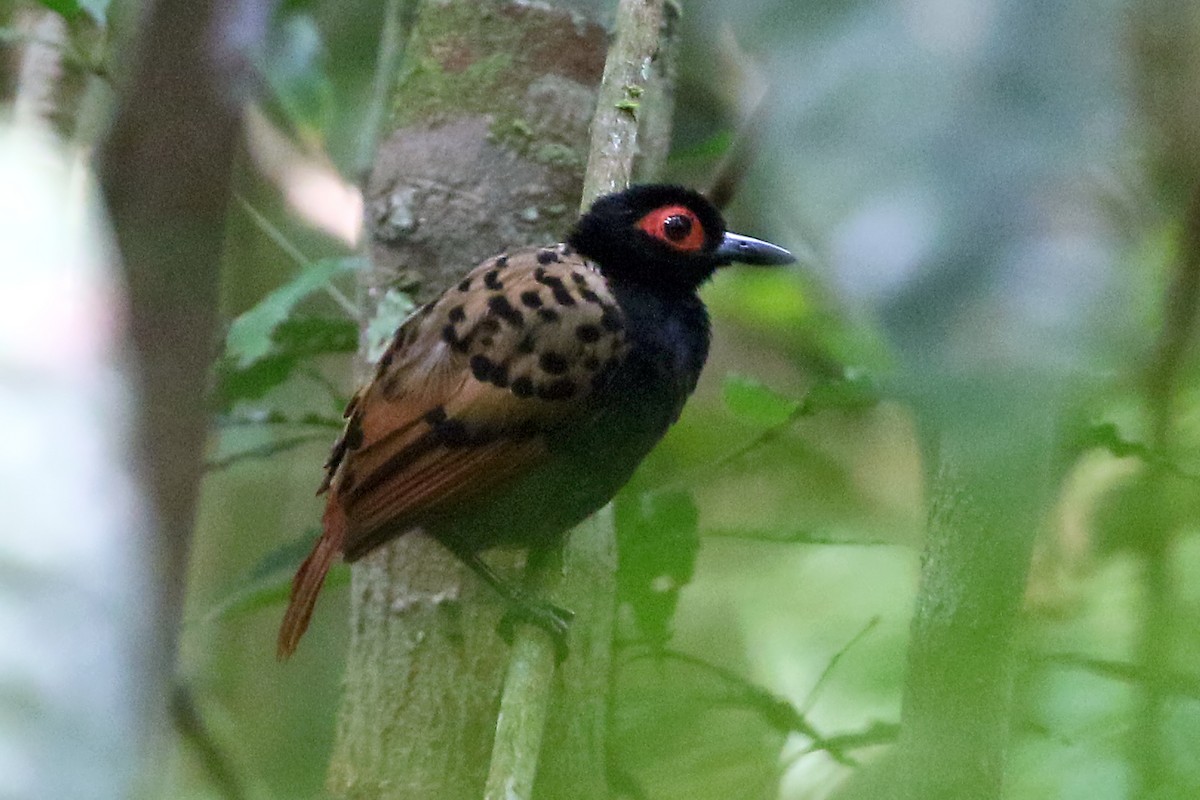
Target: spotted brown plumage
520, 400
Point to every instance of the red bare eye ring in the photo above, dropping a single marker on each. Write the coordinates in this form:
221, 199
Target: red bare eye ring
677, 226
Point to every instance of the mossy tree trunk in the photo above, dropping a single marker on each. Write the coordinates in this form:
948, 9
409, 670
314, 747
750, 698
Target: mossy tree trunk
484, 151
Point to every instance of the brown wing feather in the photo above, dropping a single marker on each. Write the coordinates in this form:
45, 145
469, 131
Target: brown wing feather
465, 398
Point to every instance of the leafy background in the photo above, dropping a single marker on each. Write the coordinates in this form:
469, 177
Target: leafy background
985, 197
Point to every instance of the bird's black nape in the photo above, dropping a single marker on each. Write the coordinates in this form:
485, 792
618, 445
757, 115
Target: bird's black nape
665, 237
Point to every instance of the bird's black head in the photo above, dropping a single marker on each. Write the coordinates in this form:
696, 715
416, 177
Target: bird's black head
666, 237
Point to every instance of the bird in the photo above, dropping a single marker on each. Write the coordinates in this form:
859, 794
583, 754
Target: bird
518, 402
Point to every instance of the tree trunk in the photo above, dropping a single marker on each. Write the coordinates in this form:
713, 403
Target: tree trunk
487, 144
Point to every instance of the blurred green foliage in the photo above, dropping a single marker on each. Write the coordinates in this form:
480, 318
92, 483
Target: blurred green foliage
985, 198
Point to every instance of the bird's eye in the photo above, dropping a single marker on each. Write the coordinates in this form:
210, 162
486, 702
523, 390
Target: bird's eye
676, 226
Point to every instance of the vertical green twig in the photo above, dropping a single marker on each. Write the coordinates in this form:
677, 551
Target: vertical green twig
525, 699
397, 21
1182, 302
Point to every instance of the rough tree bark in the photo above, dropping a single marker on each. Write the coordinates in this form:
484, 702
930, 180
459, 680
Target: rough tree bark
489, 138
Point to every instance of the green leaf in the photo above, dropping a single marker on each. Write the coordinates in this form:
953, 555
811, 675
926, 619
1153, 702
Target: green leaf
269, 582
658, 539
292, 341
250, 334
67, 8
394, 308
855, 391
73, 9
753, 402
706, 150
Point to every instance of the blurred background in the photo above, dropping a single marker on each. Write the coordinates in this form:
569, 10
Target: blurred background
989, 202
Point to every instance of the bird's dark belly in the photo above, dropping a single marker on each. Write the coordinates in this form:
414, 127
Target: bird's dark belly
589, 463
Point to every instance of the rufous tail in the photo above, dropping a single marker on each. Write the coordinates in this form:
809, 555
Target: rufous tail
306, 586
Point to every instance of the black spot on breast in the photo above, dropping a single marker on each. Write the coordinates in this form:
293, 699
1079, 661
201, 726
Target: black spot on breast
557, 287
553, 363
580, 279
590, 296
498, 304
549, 314
587, 333
547, 257
561, 389
436, 415
591, 363
525, 345
522, 386
457, 314
492, 280
481, 368
531, 299
465, 285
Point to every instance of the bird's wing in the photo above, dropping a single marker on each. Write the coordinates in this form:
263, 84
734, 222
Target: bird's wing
471, 390
469, 394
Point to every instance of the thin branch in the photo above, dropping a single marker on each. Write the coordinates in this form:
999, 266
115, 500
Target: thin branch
809, 701
876, 733
792, 537
525, 698
1176, 683
214, 759
397, 21
780, 714
1106, 436
283, 243
276, 417
858, 395
776, 711
1182, 303
615, 126
264, 451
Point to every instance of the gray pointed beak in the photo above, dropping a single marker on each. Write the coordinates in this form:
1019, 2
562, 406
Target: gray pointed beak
747, 250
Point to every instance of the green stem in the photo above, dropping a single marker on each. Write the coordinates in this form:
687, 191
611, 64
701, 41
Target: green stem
1154, 641
618, 107
525, 698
